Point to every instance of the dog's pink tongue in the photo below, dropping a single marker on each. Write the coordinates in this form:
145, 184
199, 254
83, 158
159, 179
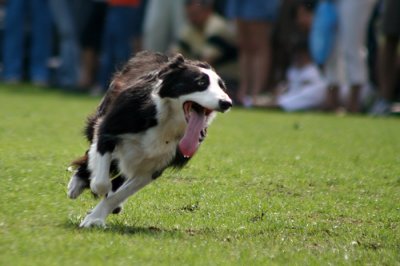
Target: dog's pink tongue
190, 141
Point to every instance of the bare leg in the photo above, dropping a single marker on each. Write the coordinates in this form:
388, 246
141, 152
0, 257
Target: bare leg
254, 59
387, 76
89, 67
261, 56
99, 214
332, 98
387, 73
244, 61
353, 105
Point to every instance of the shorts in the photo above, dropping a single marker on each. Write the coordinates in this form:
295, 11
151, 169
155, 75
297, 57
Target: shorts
254, 10
92, 32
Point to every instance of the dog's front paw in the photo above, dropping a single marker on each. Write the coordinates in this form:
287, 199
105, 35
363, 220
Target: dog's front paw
90, 221
100, 188
76, 186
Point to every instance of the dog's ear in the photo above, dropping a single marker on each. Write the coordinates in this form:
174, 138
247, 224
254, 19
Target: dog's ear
177, 63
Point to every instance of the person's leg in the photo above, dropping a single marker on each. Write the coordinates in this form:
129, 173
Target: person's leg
106, 66
353, 24
387, 76
333, 73
156, 26
13, 47
69, 47
354, 102
137, 45
41, 41
89, 67
90, 41
124, 34
259, 40
332, 102
244, 62
178, 19
387, 70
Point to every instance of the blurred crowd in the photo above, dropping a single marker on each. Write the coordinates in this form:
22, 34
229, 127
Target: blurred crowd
331, 55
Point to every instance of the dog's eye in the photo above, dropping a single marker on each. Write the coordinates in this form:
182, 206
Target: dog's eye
201, 82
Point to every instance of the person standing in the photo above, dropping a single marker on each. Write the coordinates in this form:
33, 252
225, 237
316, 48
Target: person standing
254, 20
17, 14
349, 54
163, 22
63, 15
388, 57
122, 25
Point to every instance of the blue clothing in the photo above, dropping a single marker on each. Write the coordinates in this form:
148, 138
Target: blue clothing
121, 26
68, 72
17, 11
323, 31
252, 10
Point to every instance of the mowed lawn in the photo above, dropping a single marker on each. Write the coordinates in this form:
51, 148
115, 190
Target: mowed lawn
265, 188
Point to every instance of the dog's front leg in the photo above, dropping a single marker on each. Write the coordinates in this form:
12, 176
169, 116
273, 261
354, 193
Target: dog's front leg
99, 163
99, 214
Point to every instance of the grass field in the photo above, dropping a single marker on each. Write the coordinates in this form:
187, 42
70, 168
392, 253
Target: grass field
266, 188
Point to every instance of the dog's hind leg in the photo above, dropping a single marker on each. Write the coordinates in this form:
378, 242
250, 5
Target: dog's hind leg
108, 204
80, 180
116, 184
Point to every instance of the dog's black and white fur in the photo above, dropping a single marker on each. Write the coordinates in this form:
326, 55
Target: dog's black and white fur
154, 116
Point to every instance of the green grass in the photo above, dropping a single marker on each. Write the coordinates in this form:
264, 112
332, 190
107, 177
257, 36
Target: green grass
265, 188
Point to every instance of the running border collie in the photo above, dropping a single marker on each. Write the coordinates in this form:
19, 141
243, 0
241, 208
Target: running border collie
154, 116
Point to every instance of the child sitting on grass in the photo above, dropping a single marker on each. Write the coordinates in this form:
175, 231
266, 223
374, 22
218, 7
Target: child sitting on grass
305, 85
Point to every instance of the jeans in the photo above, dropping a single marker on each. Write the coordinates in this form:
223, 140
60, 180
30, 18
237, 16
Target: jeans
119, 31
68, 72
17, 11
255, 10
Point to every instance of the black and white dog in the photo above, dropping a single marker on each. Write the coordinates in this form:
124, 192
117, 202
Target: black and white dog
154, 116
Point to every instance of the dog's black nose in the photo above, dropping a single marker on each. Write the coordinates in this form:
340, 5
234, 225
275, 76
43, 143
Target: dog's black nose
224, 105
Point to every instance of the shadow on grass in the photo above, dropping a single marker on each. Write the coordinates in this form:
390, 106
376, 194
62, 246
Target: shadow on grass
141, 230
124, 229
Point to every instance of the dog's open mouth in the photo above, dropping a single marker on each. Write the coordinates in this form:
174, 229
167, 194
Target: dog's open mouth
196, 118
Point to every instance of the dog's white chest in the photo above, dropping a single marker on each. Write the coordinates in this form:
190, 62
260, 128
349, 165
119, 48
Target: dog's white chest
151, 150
